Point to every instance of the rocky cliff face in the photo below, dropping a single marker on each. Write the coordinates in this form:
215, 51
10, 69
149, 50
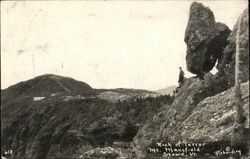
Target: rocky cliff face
205, 39
215, 113
228, 61
203, 109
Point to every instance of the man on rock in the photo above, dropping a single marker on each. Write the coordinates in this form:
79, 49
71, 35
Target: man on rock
181, 77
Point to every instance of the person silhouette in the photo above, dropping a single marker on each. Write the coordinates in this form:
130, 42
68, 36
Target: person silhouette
181, 77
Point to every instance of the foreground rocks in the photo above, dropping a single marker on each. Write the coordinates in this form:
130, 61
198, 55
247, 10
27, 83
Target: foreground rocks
205, 39
108, 153
209, 121
217, 114
165, 125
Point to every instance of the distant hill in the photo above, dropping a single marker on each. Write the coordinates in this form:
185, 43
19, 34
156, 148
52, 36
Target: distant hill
50, 85
169, 90
47, 85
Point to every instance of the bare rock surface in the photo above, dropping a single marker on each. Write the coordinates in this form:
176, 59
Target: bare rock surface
228, 61
205, 39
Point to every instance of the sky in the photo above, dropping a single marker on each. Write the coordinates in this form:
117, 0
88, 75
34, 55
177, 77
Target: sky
107, 44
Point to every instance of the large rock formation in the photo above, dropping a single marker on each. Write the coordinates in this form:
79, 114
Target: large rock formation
202, 109
228, 61
205, 39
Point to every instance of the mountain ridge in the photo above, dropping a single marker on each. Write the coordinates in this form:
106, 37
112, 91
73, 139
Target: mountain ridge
48, 85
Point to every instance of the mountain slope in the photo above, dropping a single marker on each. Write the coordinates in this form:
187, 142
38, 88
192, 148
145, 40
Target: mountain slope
71, 122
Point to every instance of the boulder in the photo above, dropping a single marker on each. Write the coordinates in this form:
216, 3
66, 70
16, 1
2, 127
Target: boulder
205, 39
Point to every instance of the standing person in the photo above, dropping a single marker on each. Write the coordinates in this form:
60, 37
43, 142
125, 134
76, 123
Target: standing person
181, 77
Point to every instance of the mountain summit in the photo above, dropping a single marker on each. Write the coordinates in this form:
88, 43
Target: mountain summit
47, 85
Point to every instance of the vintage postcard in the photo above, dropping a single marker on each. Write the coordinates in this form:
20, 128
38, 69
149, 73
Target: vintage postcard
125, 79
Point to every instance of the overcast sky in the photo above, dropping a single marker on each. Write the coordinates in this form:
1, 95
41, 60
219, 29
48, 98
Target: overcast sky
107, 44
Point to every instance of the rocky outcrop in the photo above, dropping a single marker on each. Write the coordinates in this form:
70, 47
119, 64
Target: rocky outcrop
217, 114
164, 125
203, 109
205, 39
192, 119
108, 153
228, 61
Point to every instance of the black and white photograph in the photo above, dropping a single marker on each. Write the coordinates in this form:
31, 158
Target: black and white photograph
125, 79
